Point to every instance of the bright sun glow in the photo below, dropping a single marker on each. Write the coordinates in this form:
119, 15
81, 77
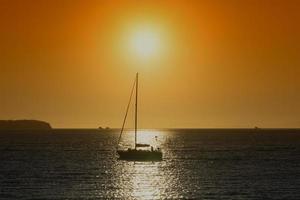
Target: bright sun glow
145, 43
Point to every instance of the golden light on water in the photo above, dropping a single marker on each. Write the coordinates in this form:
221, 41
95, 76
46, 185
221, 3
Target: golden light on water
145, 136
147, 181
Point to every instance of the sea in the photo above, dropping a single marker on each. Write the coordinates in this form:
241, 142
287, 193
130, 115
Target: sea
197, 164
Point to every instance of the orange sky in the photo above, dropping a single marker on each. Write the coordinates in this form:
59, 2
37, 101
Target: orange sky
223, 64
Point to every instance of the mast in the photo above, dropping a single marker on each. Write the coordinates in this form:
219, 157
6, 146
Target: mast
136, 110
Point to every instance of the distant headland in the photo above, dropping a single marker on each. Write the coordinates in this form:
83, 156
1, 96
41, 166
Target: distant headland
24, 125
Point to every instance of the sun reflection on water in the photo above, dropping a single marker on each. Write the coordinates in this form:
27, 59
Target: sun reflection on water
145, 136
145, 180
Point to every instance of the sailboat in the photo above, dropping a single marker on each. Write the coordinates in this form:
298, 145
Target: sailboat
139, 152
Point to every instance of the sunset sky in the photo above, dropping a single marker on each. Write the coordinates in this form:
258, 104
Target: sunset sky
211, 63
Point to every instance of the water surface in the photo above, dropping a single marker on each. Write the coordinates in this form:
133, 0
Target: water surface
82, 164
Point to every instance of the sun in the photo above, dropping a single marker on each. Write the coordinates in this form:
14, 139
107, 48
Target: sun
145, 43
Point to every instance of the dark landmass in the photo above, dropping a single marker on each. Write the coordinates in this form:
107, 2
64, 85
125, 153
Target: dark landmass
24, 125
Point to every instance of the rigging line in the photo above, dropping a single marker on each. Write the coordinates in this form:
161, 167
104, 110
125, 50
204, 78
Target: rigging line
124, 121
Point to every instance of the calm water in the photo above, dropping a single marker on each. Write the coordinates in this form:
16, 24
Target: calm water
83, 165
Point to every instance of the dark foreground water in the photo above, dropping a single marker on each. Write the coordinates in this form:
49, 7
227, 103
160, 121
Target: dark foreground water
83, 165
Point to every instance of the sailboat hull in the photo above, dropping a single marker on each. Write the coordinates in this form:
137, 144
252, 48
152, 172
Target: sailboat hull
140, 155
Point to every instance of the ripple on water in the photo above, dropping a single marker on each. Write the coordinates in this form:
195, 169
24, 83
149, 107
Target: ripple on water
195, 166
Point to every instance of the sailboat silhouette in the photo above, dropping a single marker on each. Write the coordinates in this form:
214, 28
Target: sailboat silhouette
137, 153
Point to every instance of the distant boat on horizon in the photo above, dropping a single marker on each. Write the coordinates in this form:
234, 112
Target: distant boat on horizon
106, 128
140, 151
